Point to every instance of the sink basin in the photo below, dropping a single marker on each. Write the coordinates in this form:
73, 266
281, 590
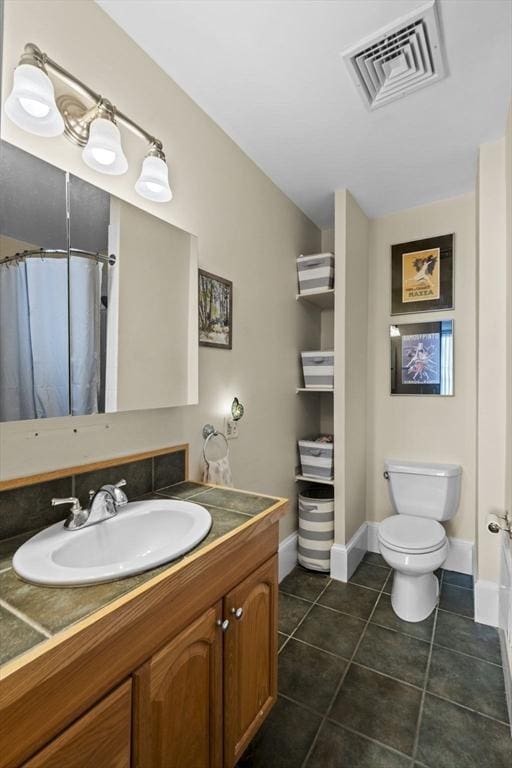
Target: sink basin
142, 535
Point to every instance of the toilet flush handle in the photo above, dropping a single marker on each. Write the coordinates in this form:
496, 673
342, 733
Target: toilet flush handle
386, 475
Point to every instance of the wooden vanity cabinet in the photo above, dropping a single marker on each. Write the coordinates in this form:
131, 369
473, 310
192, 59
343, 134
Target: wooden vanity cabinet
200, 700
155, 680
99, 738
178, 700
250, 658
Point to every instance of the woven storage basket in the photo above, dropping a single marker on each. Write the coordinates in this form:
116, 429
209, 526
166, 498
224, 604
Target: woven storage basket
315, 273
317, 459
316, 527
318, 369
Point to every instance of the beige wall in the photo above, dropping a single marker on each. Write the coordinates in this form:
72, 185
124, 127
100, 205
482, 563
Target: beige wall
351, 338
327, 240
492, 351
439, 429
248, 232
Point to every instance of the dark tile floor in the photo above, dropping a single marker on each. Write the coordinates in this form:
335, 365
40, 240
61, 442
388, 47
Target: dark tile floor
359, 688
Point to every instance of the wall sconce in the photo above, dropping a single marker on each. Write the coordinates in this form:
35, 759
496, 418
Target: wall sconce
32, 106
237, 409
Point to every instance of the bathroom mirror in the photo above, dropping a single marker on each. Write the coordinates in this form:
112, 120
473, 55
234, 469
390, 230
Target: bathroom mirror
422, 358
98, 298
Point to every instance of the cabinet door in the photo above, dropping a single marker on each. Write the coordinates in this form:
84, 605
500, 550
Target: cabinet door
250, 658
99, 738
178, 700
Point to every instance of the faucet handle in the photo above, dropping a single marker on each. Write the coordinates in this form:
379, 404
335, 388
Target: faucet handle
119, 496
75, 508
77, 515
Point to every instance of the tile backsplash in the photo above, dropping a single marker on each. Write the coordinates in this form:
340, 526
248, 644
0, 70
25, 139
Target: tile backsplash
28, 508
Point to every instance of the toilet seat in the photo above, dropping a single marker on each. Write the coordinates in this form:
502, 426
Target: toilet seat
412, 535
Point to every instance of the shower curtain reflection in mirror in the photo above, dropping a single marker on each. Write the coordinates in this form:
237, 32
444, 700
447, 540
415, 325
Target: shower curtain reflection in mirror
49, 367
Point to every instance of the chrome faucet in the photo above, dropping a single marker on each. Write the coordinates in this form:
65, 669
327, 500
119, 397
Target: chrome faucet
103, 504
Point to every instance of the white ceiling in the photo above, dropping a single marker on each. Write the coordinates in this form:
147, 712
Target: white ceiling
270, 74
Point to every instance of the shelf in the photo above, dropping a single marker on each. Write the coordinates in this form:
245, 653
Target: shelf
314, 389
314, 480
323, 299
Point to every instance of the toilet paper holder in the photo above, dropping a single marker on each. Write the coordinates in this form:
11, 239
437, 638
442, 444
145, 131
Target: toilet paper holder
497, 523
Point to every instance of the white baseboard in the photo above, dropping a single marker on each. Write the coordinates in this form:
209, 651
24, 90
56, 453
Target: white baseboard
346, 557
373, 536
460, 556
287, 555
487, 609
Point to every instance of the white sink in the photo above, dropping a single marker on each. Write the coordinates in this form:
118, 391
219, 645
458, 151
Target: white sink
144, 534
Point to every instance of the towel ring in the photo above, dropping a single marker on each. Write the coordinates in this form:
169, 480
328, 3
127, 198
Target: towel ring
215, 433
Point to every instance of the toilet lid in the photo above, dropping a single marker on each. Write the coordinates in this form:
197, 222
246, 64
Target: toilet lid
412, 534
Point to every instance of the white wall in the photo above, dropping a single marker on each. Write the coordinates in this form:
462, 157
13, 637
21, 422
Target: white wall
248, 232
440, 429
492, 351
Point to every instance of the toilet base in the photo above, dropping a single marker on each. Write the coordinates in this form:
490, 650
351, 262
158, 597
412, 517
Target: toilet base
414, 597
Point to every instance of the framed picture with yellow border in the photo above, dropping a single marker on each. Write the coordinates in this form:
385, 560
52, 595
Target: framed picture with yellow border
422, 275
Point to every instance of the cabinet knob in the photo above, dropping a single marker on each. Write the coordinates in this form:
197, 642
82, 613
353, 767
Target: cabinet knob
237, 613
223, 624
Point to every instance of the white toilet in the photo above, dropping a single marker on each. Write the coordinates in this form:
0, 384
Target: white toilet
413, 542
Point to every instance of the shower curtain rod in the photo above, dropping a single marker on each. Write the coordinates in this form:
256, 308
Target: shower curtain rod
56, 253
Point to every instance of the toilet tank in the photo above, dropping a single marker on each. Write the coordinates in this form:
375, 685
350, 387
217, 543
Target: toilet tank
424, 490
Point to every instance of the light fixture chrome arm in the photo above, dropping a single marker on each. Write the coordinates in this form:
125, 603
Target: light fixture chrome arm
87, 118
33, 55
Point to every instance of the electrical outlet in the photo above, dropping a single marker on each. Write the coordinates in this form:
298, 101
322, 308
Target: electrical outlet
230, 428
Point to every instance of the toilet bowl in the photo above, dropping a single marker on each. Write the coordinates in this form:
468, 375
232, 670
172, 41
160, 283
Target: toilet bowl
413, 542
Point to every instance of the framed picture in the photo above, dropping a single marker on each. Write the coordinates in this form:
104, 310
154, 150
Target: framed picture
215, 311
422, 275
422, 358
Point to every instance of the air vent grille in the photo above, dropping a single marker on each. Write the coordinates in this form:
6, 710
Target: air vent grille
398, 59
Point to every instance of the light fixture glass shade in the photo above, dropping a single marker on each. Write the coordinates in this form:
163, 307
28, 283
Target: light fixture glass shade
153, 182
103, 151
31, 103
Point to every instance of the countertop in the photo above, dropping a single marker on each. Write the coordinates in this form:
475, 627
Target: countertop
31, 614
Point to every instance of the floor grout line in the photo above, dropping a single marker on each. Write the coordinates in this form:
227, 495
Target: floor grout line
351, 661
426, 675
342, 679
312, 605
469, 709
342, 725
469, 655
383, 674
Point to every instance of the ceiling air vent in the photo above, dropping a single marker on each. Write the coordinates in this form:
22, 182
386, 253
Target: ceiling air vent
398, 59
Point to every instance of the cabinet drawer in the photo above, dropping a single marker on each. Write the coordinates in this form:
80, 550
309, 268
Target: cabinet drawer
99, 738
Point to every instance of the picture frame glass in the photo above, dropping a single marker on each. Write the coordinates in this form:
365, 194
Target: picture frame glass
215, 307
422, 358
422, 275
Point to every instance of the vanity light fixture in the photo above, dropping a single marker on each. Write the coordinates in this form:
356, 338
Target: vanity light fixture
153, 181
33, 107
103, 151
31, 103
237, 409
